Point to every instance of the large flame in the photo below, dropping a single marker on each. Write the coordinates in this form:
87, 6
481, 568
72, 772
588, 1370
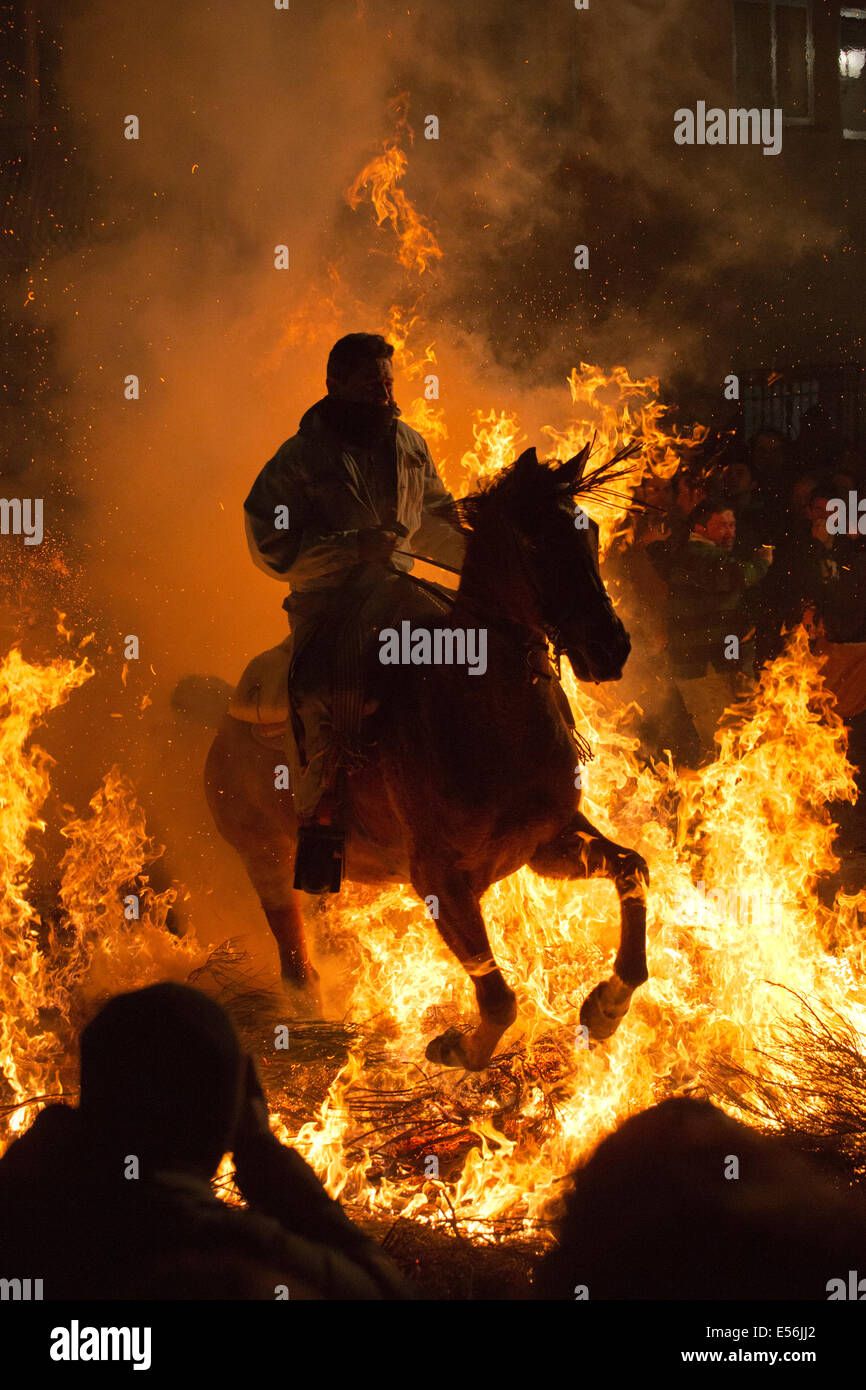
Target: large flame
417, 245
734, 912
107, 931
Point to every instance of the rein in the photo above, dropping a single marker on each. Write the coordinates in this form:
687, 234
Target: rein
538, 640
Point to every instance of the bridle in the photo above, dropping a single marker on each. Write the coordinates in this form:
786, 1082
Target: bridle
530, 638
533, 637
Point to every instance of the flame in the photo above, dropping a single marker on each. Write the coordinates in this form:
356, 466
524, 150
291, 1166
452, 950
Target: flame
108, 931
417, 245
733, 912
26, 694
424, 413
497, 435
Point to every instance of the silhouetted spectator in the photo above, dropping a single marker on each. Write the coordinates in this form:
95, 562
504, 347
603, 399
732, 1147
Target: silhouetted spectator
663, 722
682, 1202
689, 488
800, 498
750, 510
818, 568
706, 584
849, 463
113, 1200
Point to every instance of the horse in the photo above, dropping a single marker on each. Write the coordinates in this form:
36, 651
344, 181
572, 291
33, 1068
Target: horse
470, 775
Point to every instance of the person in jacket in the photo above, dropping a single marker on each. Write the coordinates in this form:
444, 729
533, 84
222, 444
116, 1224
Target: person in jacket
706, 583
334, 514
113, 1198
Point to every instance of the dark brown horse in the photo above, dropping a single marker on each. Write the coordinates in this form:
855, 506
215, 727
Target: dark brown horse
470, 776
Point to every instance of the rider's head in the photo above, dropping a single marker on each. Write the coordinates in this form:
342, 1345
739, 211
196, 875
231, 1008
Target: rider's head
361, 405
360, 370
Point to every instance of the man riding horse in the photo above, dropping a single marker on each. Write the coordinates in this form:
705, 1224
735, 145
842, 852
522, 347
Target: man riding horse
333, 514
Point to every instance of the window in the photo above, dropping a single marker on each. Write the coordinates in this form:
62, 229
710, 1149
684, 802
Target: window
779, 400
773, 57
852, 73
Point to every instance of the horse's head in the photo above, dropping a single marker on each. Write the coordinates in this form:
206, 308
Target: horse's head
556, 557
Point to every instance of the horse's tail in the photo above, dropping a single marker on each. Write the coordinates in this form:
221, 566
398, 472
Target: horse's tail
204, 698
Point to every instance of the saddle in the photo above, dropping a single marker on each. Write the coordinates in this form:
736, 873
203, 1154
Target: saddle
342, 649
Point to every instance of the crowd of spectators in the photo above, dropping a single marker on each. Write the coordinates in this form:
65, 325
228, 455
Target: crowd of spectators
729, 555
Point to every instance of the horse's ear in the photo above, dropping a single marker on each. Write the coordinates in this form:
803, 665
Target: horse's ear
569, 474
526, 465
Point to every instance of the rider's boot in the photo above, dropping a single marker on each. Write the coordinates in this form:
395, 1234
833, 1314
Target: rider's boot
320, 859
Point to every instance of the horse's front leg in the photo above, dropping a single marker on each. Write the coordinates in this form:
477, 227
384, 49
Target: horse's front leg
581, 851
461, 926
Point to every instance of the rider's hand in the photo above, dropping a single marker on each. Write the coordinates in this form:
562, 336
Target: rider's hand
375, 545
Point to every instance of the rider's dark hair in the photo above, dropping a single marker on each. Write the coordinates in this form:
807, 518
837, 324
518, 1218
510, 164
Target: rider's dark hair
354, 351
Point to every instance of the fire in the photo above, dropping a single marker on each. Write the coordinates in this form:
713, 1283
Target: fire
26, 694
497, 435
734, 912
108, 933
418, 246
424, 414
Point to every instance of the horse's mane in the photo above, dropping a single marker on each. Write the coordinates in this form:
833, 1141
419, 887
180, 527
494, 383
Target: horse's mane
548, 481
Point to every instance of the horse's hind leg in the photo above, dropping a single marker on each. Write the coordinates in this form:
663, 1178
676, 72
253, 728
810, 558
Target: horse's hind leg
269, 867
239, 787
462, 928
581, 851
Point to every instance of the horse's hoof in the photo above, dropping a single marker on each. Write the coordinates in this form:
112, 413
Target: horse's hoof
447, 1050
302, 1000
633, 865
601, 1021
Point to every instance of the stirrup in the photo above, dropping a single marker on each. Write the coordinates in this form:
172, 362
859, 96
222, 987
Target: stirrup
320, 859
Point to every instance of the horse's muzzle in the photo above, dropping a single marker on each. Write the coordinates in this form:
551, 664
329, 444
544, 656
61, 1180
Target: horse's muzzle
602, 661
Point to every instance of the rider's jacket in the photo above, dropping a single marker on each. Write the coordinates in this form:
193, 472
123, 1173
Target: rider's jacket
329, 490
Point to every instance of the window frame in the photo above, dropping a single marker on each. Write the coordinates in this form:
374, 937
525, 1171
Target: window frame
772, 5
847, 12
